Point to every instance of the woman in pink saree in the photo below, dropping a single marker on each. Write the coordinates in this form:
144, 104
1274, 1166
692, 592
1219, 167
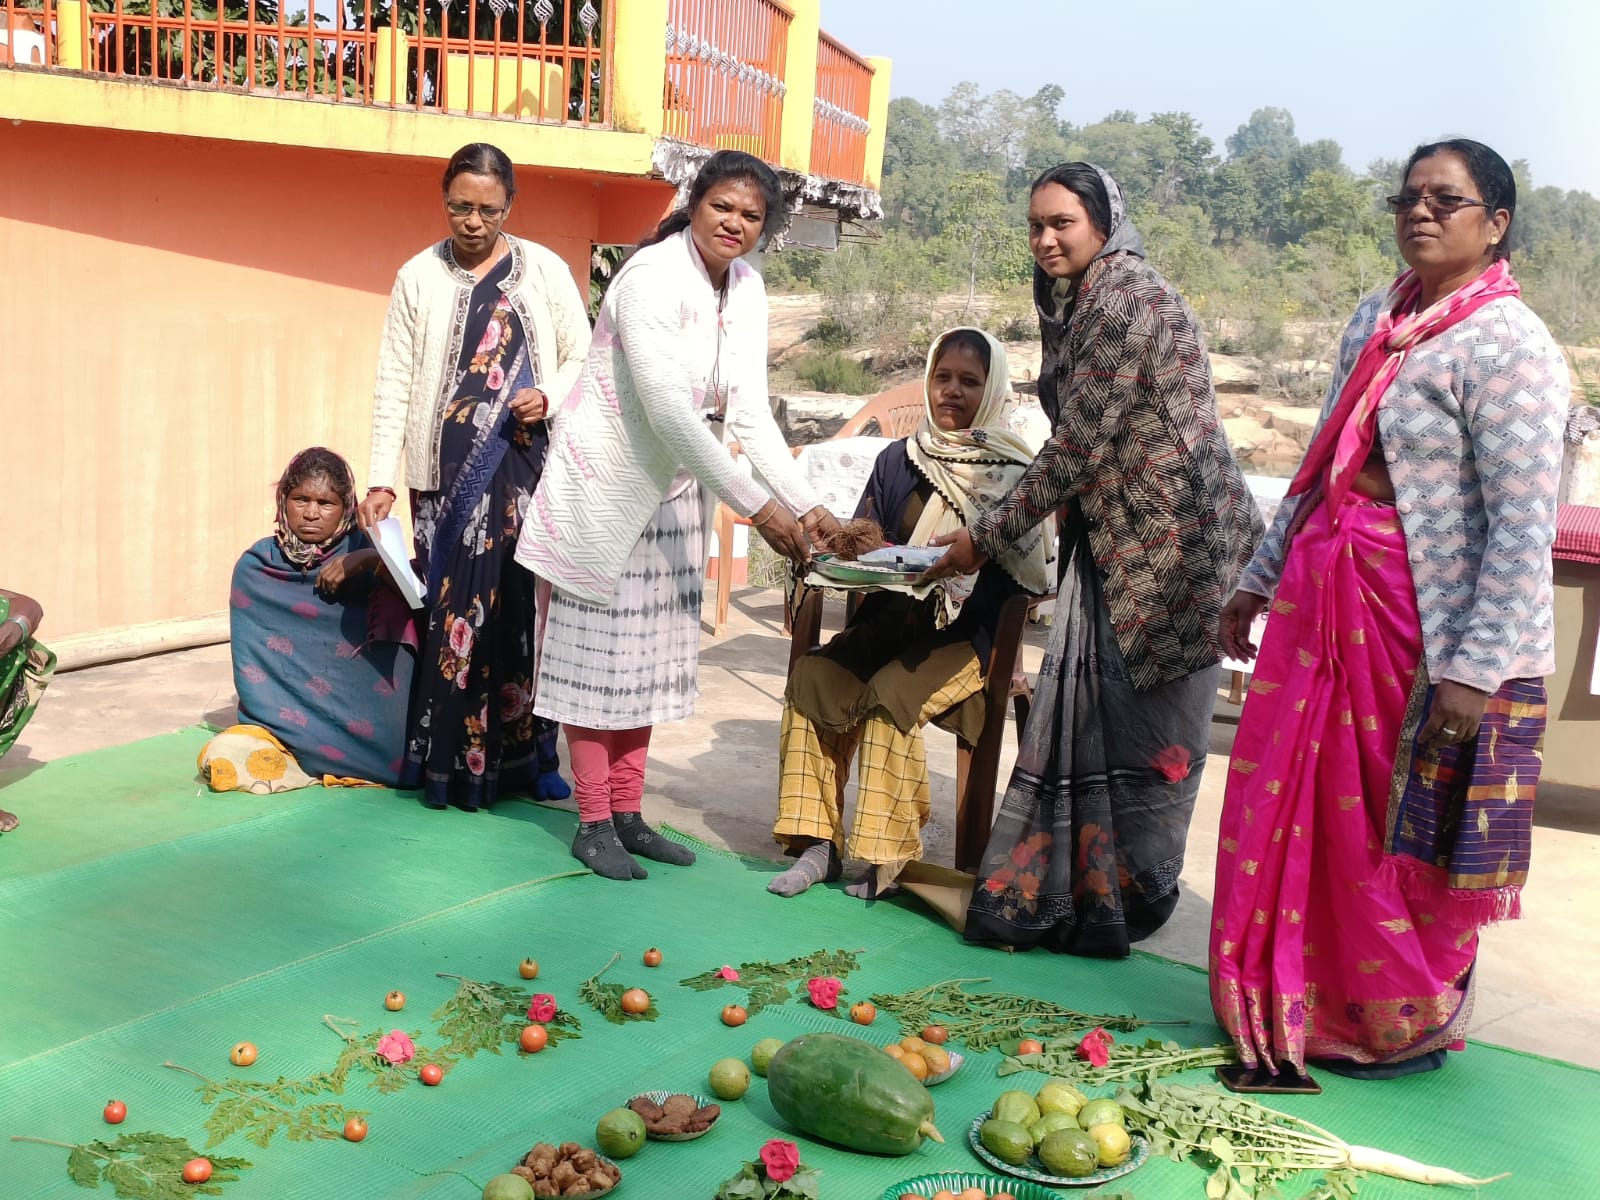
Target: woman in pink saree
1380, 795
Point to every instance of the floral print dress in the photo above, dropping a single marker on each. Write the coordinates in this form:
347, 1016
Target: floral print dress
472, 728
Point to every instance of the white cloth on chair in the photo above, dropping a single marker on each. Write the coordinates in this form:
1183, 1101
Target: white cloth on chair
838, 470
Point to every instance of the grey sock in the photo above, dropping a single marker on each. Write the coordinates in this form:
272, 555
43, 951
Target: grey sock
866, 888
597, 847
638, 838
818, 863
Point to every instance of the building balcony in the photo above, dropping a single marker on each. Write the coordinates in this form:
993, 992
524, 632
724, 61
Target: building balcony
598, 85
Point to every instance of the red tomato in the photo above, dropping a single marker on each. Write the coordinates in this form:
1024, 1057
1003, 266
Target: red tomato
863, 1012
652, 957
431, 1074
734, 1014
528, 969
1030, 1046
635, 1001
935, 1035
394, 1001
116, 1112
534, 1038
197, 1170
354, 1130
243, 1054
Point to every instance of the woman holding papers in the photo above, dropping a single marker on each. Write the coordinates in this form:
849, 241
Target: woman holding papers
484, 332
321, 647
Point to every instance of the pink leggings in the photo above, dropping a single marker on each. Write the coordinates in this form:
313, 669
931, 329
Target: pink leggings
608, 768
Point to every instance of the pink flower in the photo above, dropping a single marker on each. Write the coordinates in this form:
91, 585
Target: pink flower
253, 673
319, 685
543, 1008
461, 637
496, 378
280, 645
491, 337
781, 1159
513, 702
475, 761
1096, 1047
396, 1047
824, 992
728, 973
359, 727
292, 714
1172, 762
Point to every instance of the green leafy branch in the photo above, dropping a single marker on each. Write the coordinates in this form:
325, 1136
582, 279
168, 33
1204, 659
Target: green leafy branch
261, 1109
1129, 1061
606, 998
767, 983
361, 1052
142, 1166
484, 1015
984, 1020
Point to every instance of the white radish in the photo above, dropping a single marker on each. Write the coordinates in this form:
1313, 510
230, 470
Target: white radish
1381, 1162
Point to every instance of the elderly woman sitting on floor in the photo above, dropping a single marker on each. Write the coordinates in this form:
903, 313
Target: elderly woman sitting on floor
322, 647
906, 659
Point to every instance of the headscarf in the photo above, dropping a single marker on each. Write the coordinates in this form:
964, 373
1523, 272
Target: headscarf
972, 470
297, 552
1121, 236
1342, 444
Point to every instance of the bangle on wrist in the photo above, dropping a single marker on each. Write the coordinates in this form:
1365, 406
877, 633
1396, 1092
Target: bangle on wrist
22, 623
381, 488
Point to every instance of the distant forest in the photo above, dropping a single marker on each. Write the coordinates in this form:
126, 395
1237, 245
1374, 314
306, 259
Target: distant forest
1267, 238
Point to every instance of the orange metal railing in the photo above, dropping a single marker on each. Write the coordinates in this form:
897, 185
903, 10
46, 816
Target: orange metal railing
541, 60
839, 126
725, 64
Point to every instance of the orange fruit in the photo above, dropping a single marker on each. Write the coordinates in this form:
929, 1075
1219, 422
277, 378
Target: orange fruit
938, 1060
534, 1038
916, 1064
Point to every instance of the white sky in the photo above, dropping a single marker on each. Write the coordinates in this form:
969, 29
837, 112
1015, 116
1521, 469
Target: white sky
1377, 76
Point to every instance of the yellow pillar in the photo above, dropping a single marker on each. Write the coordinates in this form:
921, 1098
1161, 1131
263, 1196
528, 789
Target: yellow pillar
69, 34
392, 64
639, 66
878, 118
800, 75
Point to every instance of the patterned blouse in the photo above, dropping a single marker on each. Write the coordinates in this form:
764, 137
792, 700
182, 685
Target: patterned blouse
1140, 447
1471, 433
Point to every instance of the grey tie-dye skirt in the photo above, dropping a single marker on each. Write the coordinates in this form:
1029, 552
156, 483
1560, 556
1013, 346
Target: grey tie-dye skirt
634, 661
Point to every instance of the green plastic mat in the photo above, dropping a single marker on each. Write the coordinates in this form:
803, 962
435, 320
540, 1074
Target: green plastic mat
141, 923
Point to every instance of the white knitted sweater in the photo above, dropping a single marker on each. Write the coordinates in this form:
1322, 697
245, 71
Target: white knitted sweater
422, 343
637, 417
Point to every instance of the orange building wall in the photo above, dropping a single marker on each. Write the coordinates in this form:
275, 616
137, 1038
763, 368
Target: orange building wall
178, 317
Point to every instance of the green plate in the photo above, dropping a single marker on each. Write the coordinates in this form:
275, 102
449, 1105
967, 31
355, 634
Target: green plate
929, 1185
1034, 1169
831, 567
661, 1098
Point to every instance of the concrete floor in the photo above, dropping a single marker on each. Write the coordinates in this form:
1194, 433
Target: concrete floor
715, 775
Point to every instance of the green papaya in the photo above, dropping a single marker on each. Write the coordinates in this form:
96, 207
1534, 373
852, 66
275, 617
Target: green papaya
849, 1092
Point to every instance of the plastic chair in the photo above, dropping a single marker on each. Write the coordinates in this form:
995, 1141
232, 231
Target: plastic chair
978, 765
896, 413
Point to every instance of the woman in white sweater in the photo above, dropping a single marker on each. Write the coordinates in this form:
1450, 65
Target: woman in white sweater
617, 527
483, 328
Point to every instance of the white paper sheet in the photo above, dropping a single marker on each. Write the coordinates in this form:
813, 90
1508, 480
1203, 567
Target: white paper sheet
390, 540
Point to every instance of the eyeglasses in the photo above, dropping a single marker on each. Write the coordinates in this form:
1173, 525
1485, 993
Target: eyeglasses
458, 209
1440, 206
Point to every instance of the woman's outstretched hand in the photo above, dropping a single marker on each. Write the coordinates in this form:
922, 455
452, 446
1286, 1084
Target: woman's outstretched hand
782, 532
1233, 626
962, 558
821, 526
373, 509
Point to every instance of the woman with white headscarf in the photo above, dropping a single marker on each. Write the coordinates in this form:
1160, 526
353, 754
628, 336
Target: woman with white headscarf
910, 655
1157, 524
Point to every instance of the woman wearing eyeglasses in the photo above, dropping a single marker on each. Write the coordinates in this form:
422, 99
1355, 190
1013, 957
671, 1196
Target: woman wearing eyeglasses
1379, 801
483, 330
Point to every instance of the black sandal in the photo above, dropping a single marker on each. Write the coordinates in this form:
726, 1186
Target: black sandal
1263, 1080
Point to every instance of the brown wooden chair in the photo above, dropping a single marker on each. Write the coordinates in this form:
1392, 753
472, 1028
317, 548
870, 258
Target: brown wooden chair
894, 414
977, 766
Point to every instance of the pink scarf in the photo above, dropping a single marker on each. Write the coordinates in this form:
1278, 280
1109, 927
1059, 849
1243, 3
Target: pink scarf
1344, 441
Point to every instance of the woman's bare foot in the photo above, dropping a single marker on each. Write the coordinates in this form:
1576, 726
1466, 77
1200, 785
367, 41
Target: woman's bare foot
8, 821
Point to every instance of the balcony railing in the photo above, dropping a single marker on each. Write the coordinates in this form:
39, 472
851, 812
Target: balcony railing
839, 127
725, 64
540, 60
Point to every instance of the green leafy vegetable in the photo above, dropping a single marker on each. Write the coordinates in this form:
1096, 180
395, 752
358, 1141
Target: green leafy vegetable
767, 983
1129, 1061
261, 1109
984, 1020
486, 1015
606, 998
142, 1166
